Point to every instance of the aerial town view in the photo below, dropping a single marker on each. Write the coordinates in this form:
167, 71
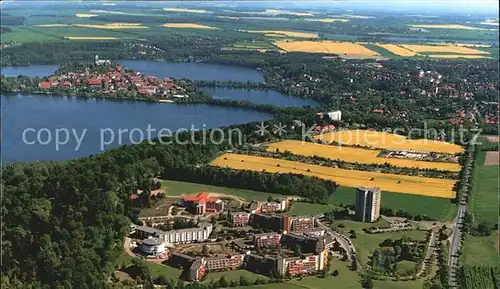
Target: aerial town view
250, 144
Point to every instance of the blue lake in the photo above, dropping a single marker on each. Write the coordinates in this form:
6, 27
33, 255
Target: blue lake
101, 120
31, 70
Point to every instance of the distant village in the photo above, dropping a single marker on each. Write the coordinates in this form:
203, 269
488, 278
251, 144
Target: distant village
115, 80
288, 246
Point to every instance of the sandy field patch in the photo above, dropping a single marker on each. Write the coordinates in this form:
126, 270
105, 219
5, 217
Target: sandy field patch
448, 56
229, 17
350, 178
358, 16
386, 140
51, 25
396, 49
493, 138
83, 15
340, 48
113, 26
199, 11
90, 38
442, 49
492, 159
272, 11
284, 33
327, 20
188, 25
446, 26
461, 44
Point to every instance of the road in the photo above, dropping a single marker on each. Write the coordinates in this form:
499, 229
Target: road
458, 222
344, 241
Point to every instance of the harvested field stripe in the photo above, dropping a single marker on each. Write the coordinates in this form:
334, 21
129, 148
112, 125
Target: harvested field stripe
350, 178
188, 25
355, 155
442, 49
386, 140
458, 56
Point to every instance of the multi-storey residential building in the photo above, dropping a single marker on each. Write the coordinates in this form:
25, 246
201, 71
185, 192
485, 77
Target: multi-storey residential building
202, 202
266, 239
274, 223
224, 262
367, 204
308, 264
197, 270
298, 224
258, 207
308, 244
240, 218
201, 233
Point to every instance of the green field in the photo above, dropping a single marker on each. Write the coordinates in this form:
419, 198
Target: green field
483, 204
303, 209
483, 201
436, 208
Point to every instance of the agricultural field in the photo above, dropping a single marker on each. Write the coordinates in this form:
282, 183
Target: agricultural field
354, 155
387, 182
90, 38
113, 26
327, 20
446, 26
188, 25
442, 49
283, 33
83, 15
386, 140
331, 47
455, 56
398, 50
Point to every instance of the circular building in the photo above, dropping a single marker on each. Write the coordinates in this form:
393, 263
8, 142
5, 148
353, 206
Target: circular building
153, 246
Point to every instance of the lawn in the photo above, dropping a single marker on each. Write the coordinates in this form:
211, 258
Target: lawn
366, 243
302, 209
233, 275
436, 208
174, 188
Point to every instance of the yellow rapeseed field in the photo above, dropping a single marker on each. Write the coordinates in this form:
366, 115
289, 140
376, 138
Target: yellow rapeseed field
354, 155
51, 25
199, 11
446, 26
396, 49
90, 38
188, 25
349, 178
113, 26
442, 49
327, 20
82, 15
385, 140
339, 48
458, 56
285, 33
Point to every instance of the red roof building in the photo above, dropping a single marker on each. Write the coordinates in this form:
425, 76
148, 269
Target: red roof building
378, 111
67, 84
45, 84
202, 202
94, 81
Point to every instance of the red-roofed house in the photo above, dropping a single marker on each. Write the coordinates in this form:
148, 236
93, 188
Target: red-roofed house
45, 84
202, 202
378, 111
94, 82
67, 84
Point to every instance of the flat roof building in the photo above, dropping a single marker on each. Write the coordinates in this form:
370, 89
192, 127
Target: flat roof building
367, 204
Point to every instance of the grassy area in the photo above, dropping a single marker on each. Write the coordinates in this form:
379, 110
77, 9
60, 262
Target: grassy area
233, 275
302, 209
483, 202
480, 251
383, 52
174, 188
436, 208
